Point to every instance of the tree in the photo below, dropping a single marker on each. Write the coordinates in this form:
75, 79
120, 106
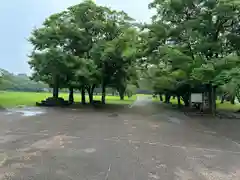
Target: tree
120, 55
1, 76
48, 59
193, 38
112, 51
77, 49
99, 26
19, 82
62, 46
230, 79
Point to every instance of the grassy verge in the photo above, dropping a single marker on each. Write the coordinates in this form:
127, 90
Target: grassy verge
226, 106
11, 99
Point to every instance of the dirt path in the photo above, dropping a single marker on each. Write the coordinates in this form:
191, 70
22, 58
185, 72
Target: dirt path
125, 145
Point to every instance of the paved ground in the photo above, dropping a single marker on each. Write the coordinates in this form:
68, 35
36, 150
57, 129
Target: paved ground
134, 144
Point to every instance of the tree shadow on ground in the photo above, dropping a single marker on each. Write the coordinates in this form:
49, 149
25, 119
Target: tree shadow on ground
98, 106
2, 108
112, 108
224, 123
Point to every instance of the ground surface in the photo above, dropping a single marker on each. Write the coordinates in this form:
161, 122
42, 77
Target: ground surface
120, 144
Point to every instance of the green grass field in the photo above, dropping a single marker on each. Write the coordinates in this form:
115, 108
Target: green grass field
12, 99
227, 106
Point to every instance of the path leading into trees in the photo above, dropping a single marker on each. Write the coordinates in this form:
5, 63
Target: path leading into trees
126, 144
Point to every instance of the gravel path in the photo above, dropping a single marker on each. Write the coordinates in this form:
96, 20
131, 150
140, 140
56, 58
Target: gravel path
62, 144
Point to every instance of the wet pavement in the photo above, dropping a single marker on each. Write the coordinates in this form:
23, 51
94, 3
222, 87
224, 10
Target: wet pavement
62, 144
25, 111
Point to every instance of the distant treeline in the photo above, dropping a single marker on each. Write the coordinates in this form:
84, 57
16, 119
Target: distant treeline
20, 82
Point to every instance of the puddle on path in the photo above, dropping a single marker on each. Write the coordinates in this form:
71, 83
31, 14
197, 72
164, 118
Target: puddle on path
142, 101
26, 111
174, 120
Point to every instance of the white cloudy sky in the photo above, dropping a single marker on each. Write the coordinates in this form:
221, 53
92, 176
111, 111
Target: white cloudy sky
18, 17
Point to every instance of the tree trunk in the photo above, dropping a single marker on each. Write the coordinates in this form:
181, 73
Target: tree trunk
103, 94
121, 96
214, 100
186, 99
56, 87
121, 92
167, 98
71, 97
222, 99
233, 99
238, 94
210, 97
161, 98
129, 94
83, 96
179, 101
90, 93
90, 97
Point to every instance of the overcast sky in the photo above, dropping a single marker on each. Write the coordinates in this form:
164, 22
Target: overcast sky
18, 17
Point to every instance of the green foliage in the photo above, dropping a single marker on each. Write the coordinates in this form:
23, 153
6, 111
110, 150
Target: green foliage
13, 99
192, 42
20, 82
187, 44
84, 47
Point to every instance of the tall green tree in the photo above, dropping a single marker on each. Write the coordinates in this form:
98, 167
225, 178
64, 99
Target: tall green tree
112, 52
120, 55
194, 38
73, 49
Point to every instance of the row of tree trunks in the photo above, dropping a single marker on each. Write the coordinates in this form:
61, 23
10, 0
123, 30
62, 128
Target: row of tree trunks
160, 97
90, 91
167, 98
186, 98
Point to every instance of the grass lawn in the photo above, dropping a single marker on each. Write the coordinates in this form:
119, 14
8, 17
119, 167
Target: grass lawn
11, 99
227, 106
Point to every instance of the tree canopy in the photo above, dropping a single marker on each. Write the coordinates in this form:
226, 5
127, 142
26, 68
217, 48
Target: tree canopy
191, 43
188, 44
19, 82
85, 47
